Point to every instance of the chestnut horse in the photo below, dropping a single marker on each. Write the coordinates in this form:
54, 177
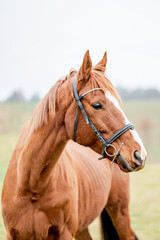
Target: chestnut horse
46, 196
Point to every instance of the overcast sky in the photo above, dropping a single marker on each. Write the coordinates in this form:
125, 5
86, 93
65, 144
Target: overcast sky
40, 41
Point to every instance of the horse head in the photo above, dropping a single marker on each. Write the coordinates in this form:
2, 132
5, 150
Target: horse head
101, 112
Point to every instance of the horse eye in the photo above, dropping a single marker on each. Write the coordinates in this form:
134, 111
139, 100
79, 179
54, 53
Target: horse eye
97, 106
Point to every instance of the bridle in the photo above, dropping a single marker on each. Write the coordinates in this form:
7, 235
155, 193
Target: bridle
106, 143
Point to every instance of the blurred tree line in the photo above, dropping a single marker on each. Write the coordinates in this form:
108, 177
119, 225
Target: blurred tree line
18, 96
136, 94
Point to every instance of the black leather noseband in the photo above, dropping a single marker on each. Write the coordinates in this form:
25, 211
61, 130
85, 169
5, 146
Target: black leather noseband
106, 143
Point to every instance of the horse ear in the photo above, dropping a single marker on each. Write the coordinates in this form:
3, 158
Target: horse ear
86, 67
101, 66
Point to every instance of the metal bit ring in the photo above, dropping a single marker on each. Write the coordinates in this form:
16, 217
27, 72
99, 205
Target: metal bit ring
110, 155
116, 153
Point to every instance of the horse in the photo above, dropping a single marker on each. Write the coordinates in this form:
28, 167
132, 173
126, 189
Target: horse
49, 195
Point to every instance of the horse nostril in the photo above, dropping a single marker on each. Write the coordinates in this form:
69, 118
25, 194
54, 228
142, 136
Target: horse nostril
137, 158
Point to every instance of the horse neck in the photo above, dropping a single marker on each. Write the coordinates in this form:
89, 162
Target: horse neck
39, 157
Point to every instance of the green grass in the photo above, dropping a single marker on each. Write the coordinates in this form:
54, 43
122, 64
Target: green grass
145, 115
145, 200
145, 190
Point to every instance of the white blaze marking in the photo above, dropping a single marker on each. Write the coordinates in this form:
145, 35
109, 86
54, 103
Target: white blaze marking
135, 135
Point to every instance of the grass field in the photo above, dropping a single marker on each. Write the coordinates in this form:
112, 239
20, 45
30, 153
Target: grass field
145, 185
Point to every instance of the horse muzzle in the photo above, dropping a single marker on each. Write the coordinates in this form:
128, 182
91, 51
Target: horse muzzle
137, 164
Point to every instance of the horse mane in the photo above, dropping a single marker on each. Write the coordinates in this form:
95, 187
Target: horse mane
48, 105
101, 81
45, 108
